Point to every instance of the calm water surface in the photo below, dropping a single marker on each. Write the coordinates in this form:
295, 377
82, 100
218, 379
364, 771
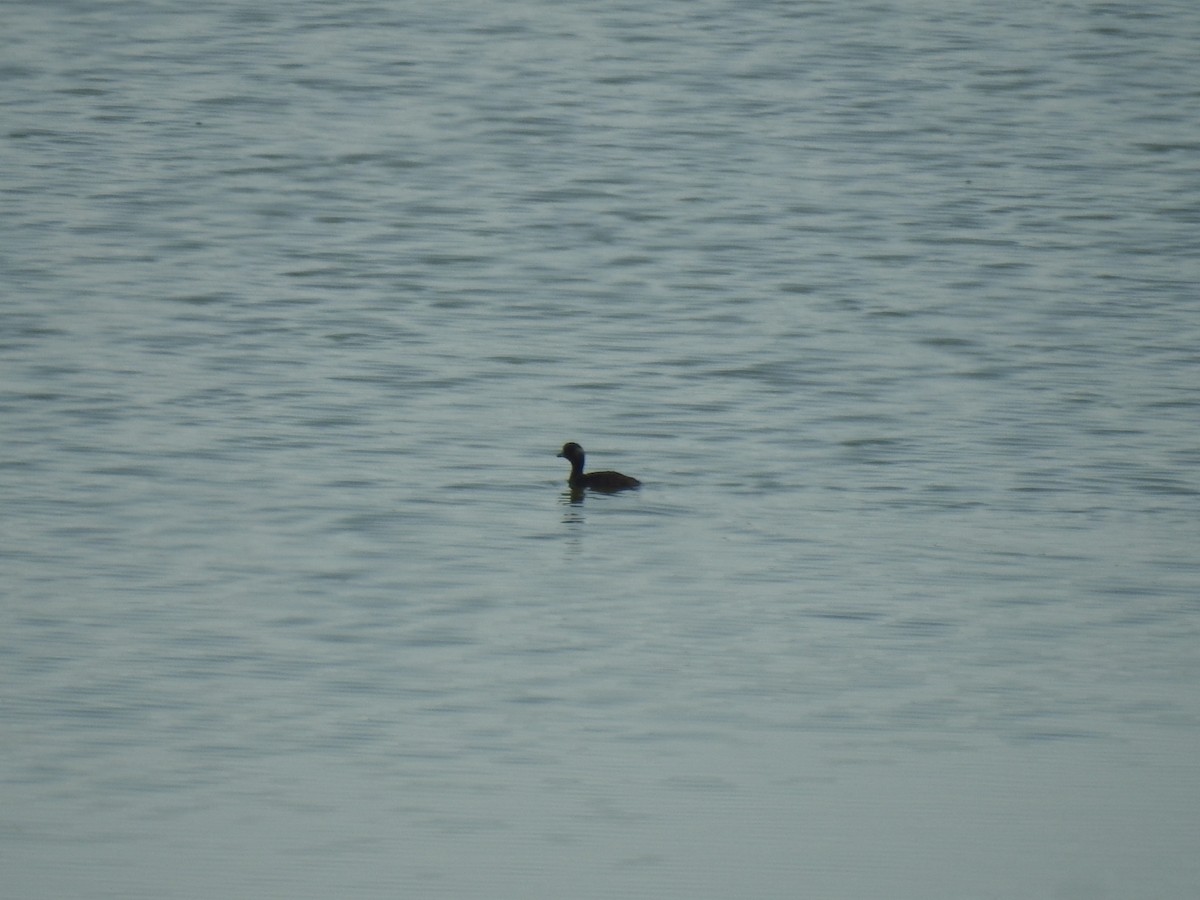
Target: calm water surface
893, 308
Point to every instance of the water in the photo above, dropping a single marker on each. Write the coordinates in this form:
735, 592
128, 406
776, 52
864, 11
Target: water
892, 308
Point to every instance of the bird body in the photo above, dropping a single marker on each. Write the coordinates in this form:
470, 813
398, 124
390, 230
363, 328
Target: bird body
607, 482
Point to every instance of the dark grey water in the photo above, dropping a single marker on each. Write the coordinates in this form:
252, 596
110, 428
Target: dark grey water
893, 307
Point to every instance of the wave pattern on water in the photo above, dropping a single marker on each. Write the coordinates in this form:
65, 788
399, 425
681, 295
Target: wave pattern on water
892, 309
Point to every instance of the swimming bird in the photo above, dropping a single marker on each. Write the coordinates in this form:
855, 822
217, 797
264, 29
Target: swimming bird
596, 481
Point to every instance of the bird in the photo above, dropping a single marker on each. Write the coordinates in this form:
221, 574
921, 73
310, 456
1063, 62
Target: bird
608, 482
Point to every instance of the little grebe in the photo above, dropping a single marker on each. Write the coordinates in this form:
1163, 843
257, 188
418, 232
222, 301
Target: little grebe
597, 481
